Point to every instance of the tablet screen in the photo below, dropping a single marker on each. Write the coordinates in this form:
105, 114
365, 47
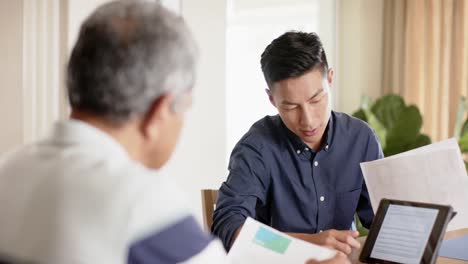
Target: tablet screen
404, 233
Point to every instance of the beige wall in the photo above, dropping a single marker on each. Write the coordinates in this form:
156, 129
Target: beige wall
359, 71
11, 39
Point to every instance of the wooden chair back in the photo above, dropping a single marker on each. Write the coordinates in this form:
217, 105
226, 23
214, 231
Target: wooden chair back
209, 197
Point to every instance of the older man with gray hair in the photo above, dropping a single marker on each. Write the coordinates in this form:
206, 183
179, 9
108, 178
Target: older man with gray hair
91, 192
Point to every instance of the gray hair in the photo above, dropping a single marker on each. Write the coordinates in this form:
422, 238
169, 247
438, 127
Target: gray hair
128, 54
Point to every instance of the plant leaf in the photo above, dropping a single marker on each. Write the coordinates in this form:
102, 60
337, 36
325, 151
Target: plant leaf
366, 102
463, 143
464, 129
360, 115
396, 147
406, 126
387, 109
378, 127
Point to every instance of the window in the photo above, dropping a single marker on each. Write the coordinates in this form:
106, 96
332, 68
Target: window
251, 26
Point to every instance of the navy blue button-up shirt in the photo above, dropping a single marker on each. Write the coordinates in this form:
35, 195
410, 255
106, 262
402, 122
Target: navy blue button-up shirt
275, 178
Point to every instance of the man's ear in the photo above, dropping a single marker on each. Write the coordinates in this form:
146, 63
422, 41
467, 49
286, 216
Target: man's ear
330, 76
156, 116
270, 97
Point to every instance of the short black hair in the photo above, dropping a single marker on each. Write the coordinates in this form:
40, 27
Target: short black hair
291, 55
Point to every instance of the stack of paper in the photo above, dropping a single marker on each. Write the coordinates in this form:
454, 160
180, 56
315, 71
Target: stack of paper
258, 243
434, 174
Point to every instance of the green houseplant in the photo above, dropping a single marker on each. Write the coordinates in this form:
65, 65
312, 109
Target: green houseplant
397, 126
463, 141
461, 129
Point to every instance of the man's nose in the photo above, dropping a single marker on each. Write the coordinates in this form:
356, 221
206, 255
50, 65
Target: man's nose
307, 117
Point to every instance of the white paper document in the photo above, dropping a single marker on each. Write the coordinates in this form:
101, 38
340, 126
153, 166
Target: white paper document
433, 174
258, 243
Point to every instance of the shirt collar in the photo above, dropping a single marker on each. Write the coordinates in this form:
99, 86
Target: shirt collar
78, 132
329, 132
300, 146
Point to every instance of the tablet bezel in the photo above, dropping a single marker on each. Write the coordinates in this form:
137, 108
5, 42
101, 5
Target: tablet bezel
443, 217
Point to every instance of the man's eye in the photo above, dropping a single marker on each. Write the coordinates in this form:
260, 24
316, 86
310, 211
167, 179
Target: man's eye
316, 100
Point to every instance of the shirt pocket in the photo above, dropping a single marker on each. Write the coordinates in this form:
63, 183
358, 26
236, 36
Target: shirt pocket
345, 207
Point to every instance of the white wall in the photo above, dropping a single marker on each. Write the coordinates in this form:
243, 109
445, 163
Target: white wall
78, 11
328, 31
360, 51
199, 162
251, 26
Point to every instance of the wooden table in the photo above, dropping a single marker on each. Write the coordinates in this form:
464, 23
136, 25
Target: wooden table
354, 257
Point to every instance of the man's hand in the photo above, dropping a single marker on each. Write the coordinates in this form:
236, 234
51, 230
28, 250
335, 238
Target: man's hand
339, 258
342, 241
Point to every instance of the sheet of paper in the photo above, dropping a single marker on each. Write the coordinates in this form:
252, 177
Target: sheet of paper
258, 243
455, 248
432, 174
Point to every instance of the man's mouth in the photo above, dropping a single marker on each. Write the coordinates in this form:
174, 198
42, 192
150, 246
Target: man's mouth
310, 132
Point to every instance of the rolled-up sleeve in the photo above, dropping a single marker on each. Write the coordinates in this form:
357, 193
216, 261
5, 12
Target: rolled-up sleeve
364, 208
245, 187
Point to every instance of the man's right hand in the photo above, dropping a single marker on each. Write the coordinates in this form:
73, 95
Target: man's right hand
343, 241
339, 258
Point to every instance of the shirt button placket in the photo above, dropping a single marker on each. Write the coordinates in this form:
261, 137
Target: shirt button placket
321, 198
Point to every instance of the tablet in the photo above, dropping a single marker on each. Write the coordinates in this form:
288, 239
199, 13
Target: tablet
406, 232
